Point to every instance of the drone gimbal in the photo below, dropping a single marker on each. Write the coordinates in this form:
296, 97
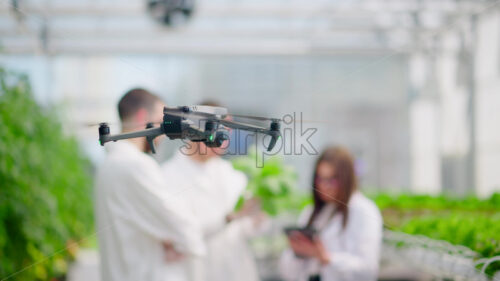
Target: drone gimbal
180, 123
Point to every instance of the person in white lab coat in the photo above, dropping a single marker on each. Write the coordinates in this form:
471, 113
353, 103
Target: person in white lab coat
213, 187
349, 228
138, 222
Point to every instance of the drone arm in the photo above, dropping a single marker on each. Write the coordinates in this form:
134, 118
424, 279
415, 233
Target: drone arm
242, 126
153, 132
274, 133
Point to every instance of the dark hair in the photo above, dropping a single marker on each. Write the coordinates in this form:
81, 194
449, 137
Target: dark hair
342, 161
135, 99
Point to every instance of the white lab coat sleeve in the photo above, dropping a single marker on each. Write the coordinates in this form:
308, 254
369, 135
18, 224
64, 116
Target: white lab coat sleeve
290, 267
144, 202
250, 226
234, 183
361, 261
212, 224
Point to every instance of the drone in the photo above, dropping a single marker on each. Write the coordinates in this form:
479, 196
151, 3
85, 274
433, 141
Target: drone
199, 123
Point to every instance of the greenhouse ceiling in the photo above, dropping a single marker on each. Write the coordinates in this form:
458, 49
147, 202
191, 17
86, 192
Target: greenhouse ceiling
232, 27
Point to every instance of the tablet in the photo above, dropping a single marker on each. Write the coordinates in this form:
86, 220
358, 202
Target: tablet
307, 231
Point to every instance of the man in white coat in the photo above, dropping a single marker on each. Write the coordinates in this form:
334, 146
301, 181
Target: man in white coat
137, 219
212, 188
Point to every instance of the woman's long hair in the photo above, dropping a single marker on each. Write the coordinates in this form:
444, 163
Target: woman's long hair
340, 159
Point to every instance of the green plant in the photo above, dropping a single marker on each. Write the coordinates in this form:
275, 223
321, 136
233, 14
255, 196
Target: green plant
441, 202
274, 184
471, 222
45, 194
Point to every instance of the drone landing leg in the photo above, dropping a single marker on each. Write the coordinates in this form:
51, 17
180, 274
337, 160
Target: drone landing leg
151, 138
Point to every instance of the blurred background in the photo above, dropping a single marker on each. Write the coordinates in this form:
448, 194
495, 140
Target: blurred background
411, 87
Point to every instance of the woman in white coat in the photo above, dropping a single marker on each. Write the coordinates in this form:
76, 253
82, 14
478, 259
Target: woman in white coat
348, 225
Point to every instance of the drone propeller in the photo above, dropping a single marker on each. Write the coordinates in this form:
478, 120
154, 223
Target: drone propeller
211, 112
203, 111
254, 117
130, 124
185, 112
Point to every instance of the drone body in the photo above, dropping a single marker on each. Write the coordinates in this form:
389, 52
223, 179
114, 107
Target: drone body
205, 124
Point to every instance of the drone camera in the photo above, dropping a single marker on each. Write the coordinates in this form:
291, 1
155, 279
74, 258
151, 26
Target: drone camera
218, 140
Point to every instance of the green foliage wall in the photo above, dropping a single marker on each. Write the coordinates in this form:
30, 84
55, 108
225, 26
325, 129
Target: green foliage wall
45, 187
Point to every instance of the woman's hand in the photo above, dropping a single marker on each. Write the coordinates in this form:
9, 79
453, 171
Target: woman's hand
303, 246
250, 208
171, 254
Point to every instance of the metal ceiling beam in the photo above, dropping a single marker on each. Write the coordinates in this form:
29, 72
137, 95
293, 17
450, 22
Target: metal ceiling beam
187, 45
